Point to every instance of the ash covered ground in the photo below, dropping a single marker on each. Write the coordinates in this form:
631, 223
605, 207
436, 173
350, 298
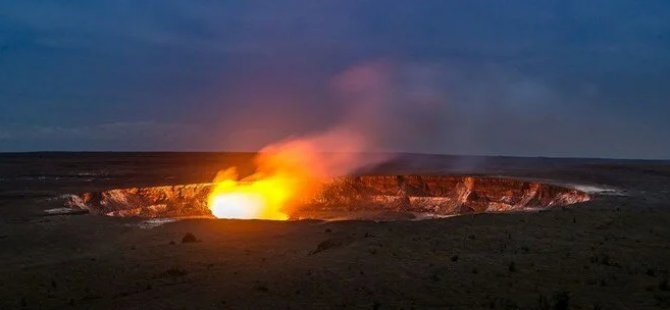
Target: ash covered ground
612, 252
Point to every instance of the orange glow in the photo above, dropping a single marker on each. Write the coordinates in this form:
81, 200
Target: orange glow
286, 173
260, 199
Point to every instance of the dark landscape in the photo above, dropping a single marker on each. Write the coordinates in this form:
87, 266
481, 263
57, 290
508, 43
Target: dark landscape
343, 154
611, 252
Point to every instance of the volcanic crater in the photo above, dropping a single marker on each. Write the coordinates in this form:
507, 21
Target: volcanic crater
356, 197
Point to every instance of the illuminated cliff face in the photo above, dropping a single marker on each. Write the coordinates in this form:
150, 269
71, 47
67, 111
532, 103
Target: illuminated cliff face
443, 195
347, 196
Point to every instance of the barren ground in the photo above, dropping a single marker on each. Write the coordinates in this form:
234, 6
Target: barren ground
609, 253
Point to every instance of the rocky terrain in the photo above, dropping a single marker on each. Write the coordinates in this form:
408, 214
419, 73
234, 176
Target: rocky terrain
610, 252
429, 195
442, 195
155, 201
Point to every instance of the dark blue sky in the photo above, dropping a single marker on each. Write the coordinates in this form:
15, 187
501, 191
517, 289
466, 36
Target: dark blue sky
532, 78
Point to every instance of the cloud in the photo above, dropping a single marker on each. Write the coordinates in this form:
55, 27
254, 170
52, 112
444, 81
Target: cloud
450, 108
107, 131
526, 78
5, 135
139, 135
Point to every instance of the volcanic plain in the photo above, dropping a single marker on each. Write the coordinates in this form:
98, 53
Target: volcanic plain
609, 252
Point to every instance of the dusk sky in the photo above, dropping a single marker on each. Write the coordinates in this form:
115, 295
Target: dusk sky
567, 78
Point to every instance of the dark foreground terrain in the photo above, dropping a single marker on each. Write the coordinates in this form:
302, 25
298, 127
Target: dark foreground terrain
612, 252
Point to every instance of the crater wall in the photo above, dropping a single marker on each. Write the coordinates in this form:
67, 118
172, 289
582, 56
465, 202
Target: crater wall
434, 195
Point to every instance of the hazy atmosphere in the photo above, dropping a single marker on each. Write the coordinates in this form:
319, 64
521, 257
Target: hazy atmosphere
335, 154
529, 78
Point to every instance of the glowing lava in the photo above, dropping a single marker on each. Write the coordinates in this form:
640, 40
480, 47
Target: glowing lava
286, 174
249, 198
237, 205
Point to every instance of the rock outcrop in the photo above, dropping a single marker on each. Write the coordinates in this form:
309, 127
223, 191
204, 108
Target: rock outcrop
436, 195
149, 202
442, 195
